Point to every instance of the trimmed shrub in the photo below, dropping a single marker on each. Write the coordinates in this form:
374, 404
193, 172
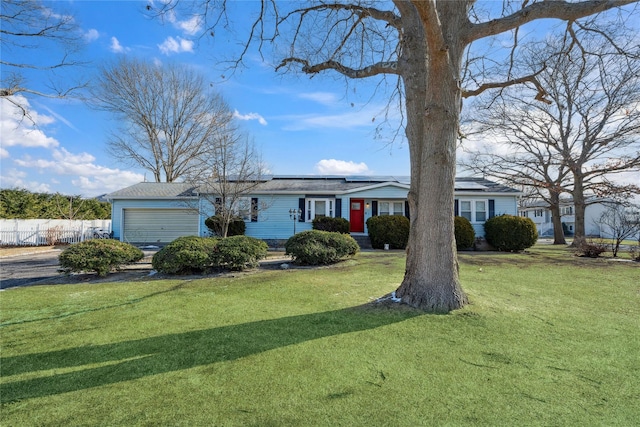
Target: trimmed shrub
239, 252
315, 247
591, 249
237, 227
185, 255
99, 255
391, 229
465, 234
510, 233
327, 223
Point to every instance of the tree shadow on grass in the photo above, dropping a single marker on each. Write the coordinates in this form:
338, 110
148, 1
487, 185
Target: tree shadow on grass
135, 359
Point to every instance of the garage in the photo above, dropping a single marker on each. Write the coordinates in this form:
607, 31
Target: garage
158, 225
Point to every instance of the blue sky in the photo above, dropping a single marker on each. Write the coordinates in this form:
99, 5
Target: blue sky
301, 125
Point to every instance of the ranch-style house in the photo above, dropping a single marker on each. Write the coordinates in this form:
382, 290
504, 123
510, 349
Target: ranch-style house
157, 213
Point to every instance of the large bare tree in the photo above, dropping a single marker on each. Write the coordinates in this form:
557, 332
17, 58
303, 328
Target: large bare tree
29, 26
168, 116
588, 130
423, 43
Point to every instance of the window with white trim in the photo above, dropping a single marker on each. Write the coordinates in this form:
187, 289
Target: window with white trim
474, 210
243, 208
389, 207
317, 208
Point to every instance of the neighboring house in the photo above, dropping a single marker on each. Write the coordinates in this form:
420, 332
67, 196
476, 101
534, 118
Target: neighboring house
160, 212
540, 213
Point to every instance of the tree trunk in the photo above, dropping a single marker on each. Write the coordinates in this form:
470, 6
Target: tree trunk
579, 207
558, 232
431, 280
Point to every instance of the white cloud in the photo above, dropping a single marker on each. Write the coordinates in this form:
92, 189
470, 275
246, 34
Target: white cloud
349, 119
341, 167
177, 45
91, 35
190, 26
325, 98
15, 179
116, 47
3, 153
250, 116
20, 131
89, 176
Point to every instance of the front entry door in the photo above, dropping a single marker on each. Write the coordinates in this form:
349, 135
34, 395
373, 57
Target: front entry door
356, 215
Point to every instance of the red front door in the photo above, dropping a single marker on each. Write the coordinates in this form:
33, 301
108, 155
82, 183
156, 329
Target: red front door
356, 215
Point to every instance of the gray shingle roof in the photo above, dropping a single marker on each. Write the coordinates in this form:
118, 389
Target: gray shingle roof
155, 190
309, 184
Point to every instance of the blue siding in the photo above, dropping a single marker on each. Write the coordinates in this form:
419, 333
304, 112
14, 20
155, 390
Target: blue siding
274, 221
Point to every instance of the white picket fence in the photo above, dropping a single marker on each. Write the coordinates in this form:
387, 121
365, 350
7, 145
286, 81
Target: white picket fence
46, 232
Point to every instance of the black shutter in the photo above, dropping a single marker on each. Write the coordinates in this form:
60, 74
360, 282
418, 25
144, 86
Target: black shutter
254, 209
492, 208
406, 209
374, 208
301, 205
217, 205
338, 208
455, 208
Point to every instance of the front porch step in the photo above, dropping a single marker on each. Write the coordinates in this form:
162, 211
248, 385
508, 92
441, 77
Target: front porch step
363, 241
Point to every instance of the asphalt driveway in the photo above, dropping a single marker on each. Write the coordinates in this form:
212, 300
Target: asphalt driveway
28, 269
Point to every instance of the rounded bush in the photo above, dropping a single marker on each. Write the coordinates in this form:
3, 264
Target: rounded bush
327, 223
465, 234
99, 255
391, 229
237, 227
510, 233
315, 247
239, 252
184, 255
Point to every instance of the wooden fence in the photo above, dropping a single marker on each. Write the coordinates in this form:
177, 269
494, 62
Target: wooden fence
47, 232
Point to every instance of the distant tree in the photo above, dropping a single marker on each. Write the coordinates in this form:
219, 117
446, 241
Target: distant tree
167, 114
28, 27
621, 221
587, 131
23, 204
423, 43
231, 169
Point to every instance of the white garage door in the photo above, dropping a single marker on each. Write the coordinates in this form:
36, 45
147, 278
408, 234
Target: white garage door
158, 225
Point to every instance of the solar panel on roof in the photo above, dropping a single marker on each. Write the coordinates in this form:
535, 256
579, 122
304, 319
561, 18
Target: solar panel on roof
470, 185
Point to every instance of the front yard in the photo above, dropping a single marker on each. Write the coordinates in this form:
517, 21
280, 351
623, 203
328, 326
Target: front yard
548, 339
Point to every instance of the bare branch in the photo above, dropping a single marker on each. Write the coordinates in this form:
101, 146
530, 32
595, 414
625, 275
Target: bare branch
562, 10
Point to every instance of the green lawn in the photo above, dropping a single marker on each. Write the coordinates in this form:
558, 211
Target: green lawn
548, 339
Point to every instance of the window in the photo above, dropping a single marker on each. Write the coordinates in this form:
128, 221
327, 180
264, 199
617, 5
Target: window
465, 210
317, 208
481, 211
387, 207
244, 207
567, 210
474, 210
538, 213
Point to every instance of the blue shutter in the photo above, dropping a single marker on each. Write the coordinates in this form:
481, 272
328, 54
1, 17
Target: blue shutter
492, 208
301, 206
374, 208
456, 210
217, 204
338, 208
